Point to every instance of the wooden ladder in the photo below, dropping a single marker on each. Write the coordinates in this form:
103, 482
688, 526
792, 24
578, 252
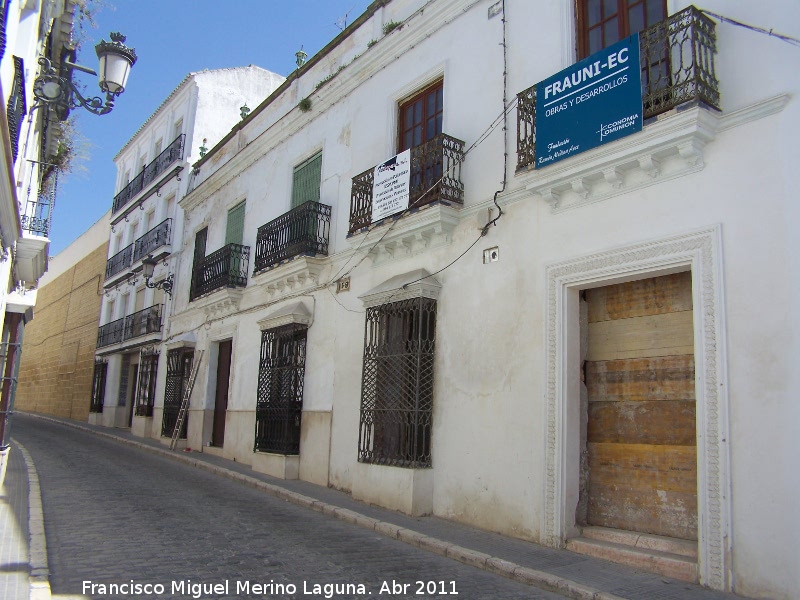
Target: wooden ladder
176, 433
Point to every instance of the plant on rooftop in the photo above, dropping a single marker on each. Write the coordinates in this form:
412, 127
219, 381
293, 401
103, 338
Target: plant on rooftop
304, 105
391, 26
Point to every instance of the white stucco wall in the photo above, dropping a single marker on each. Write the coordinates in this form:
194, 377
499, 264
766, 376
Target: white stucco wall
490, 452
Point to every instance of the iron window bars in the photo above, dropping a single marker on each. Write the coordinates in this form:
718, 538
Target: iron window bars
146, 392
677, 61
279, 404
303, 231
397, 386
98, 387
179, 368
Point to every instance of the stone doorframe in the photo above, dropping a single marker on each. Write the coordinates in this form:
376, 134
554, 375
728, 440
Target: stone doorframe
698, 251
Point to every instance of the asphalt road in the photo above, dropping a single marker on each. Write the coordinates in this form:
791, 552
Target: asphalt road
157, 528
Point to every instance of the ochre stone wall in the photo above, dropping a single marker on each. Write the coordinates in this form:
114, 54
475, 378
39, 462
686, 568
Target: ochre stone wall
55, 375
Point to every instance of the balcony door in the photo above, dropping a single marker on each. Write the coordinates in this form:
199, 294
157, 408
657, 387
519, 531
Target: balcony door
421, 117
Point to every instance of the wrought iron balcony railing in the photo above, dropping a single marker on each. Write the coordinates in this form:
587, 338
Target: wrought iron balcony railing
143, 322
110, 333
17, 108
127, 328
152, 170
677, 62
435, 176
154, 239
301, 231
119, 262
37, 218
225, 268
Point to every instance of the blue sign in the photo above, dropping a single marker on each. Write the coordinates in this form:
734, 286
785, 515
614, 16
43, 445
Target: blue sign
595, 101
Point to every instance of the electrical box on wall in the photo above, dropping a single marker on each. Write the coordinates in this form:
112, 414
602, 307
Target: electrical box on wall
491, 255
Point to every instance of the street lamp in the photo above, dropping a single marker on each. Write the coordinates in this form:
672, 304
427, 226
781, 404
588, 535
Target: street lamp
116, 60
148, 266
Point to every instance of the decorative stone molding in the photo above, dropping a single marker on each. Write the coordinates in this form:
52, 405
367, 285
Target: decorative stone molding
185, 340
296, 313
671, 146
219, 303
414, 284
429, 227
297, 275
700, 251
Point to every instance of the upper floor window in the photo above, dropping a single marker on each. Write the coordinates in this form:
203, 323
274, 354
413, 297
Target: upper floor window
306, 180
421, 117
178, 129
605, 22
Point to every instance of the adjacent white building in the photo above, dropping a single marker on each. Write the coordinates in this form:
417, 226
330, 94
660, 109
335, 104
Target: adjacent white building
153, 169
590, 353
29, 169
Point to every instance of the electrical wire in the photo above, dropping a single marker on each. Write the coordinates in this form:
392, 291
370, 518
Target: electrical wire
784, 38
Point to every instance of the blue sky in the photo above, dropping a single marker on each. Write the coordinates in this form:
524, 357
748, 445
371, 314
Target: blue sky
173, 38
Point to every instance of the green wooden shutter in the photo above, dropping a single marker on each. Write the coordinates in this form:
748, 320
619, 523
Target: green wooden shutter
306, 181
234, 232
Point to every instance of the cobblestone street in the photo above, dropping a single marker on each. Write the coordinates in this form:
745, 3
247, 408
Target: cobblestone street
114, 514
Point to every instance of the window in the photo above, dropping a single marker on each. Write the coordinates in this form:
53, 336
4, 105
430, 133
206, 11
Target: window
306, 181
605, 22
397, 387
178, 129
158, 147
98, 387
421, 117
146, 390
179, 368
234, 229
279, 403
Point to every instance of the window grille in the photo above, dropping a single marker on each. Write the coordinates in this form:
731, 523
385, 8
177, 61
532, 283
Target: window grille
98, 387
179, 367
146, 392
280, 389
397, 386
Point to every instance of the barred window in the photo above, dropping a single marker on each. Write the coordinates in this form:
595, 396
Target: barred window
146, 391
98, 387
179, 369
279, 403
397, 387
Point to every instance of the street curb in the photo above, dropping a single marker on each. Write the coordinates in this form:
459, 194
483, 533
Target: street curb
39, 577
499, 566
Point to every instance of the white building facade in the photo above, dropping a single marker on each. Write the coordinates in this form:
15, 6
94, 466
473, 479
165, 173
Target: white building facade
31, 135
146, 224
589, 353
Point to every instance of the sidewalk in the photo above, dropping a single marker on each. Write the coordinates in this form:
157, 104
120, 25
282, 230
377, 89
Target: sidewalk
571, 574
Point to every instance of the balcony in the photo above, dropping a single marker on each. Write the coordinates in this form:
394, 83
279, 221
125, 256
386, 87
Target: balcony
303, 231
677, 62
158, 236
225, 268
435, 177
110, 333
37, 217
143, 322
151, 171
119, 262
136, 325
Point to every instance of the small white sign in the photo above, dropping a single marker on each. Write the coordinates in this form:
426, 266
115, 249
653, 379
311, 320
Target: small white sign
390, 188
